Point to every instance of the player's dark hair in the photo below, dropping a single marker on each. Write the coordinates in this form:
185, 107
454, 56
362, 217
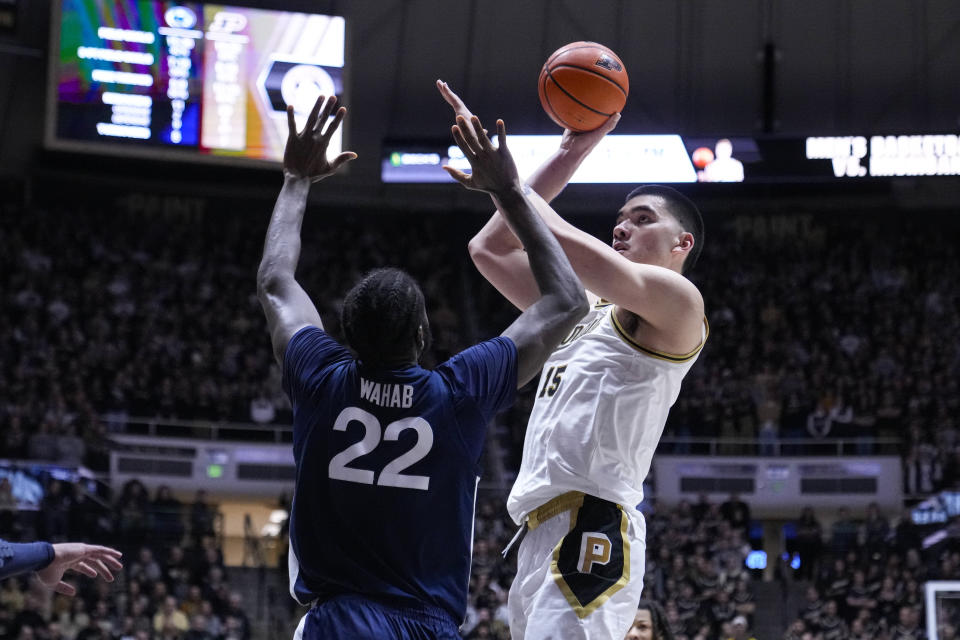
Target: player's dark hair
658, 619
381, 316
686, 213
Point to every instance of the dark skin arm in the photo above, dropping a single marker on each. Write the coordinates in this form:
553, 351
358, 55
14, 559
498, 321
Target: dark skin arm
562, 302
286, 305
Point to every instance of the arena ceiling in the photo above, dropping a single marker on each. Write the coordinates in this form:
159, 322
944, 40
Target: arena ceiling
711, 67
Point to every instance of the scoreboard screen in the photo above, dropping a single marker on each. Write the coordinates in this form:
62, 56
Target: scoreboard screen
623, 158
187, 80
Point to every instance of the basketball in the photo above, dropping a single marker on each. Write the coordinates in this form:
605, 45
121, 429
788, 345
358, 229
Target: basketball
582, 84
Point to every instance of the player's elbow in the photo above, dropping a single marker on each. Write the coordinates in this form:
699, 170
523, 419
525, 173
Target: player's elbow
579, 305
269, 282
479, 249
570, 304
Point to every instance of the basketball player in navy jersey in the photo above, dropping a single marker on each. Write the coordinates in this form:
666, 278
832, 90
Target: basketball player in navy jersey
387, 453
603, 400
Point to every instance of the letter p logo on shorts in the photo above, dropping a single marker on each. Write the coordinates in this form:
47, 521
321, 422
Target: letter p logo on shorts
594, 549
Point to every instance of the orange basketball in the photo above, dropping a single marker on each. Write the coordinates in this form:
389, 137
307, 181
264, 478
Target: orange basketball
582, 84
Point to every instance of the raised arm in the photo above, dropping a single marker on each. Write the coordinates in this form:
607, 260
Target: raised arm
656, 294
286, 305
544, 323
496, 251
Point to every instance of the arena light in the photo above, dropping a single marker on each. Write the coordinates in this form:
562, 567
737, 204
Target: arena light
756, 560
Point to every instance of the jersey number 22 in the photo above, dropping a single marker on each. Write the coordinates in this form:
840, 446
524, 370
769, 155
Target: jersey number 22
391, 475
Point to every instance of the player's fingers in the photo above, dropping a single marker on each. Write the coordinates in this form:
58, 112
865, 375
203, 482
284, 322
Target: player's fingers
468, 133
462, 141
444, 91
480, 132
325, 113
85, 569
342, 159
110, 561
458, 175
452, 99
610, 124
291, 122
337, 119
312, 118
102, 551
98, 565
502, 136
65, 589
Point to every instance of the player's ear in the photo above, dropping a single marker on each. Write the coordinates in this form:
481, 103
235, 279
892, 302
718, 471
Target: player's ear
685, 242
421, 340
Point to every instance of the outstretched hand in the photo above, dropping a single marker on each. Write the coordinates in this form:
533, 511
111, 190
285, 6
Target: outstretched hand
306, 153
90, 560
494, 170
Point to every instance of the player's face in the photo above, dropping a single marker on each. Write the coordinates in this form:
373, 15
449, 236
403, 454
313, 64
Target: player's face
642, 628
645, 232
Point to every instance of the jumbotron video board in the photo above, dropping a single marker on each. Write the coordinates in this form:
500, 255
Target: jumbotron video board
187, 80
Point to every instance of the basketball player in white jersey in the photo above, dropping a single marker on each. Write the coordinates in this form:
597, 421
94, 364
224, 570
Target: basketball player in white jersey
602, 401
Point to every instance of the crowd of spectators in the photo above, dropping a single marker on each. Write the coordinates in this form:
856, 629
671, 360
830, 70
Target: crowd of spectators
864, 578
832, 328
174, 585
116, 317
821, 327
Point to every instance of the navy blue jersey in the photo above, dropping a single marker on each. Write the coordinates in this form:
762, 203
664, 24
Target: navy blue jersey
387, 467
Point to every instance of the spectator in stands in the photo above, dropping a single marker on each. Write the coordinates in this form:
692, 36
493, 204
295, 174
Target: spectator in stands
843, 533
145, 568
907, 626
202, 517
198, 629
166, 514
131, 514
235, 610
736, 512
809, 542
650, 623
739, 629
169, 620
875, 530
812, 608
42, 445
55, 512
829, 624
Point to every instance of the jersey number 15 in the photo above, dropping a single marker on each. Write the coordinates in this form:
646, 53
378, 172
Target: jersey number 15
391, 475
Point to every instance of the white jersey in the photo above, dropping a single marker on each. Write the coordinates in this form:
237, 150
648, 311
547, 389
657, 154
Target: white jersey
600, 409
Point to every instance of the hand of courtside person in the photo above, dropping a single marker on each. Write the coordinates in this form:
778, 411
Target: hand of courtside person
305, 155
90, 560
494, 170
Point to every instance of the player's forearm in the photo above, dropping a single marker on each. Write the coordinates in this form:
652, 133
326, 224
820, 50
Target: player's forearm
547, 181
281, 249
551, 269
552, 177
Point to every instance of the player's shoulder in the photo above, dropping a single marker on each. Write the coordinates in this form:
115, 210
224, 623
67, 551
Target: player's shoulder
492, 349
481, 367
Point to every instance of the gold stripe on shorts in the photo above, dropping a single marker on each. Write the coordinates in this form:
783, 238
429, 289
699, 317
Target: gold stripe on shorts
570, 501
